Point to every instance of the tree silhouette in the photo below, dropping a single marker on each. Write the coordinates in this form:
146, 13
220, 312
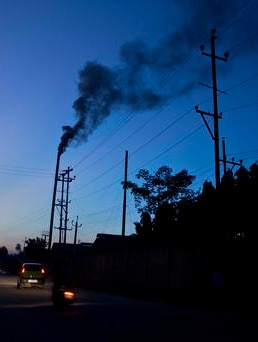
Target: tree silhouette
159, 197
35, 248
18, 248
174, 213
160, 188
144, 227
3, 255
3, 252
247, 195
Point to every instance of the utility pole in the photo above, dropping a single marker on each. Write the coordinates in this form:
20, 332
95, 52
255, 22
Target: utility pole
68, 181
216, 115
63, 204
125, 188
76, 229
224, 158
54, 200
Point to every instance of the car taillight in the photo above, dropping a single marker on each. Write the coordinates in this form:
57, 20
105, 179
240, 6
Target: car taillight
42, 271
23, 270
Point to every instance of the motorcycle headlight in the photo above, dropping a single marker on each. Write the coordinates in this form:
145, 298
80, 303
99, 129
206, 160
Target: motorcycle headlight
69, 295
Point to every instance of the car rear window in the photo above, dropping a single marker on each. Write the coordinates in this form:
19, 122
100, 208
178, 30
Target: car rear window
32, 267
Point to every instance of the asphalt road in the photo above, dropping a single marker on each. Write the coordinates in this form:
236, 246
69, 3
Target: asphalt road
28, 315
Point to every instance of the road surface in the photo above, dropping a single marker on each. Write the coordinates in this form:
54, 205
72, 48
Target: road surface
28, 315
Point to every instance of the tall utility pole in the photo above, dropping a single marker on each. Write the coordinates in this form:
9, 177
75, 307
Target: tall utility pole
54, 200
76, 229
216, 115
125, 188
68, 181
63, 203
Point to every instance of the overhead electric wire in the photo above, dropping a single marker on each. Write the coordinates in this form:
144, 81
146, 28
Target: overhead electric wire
165, 81
128, 118
165, 129
37, 214
132, 113
24, 171
147, 143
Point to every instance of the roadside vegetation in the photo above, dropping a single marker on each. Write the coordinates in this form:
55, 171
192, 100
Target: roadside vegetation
171, 214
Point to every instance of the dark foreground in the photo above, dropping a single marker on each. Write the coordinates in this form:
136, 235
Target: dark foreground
28, 314
241, 302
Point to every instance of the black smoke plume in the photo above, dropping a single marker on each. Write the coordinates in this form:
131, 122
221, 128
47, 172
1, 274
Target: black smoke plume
101, 88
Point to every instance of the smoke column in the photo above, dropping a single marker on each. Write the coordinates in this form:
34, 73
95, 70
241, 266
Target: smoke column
101, 89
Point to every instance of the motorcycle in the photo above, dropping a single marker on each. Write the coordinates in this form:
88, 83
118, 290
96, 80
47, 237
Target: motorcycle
63, 296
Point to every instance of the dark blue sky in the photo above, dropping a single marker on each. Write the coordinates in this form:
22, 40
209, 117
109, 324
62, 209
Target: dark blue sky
120, 75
